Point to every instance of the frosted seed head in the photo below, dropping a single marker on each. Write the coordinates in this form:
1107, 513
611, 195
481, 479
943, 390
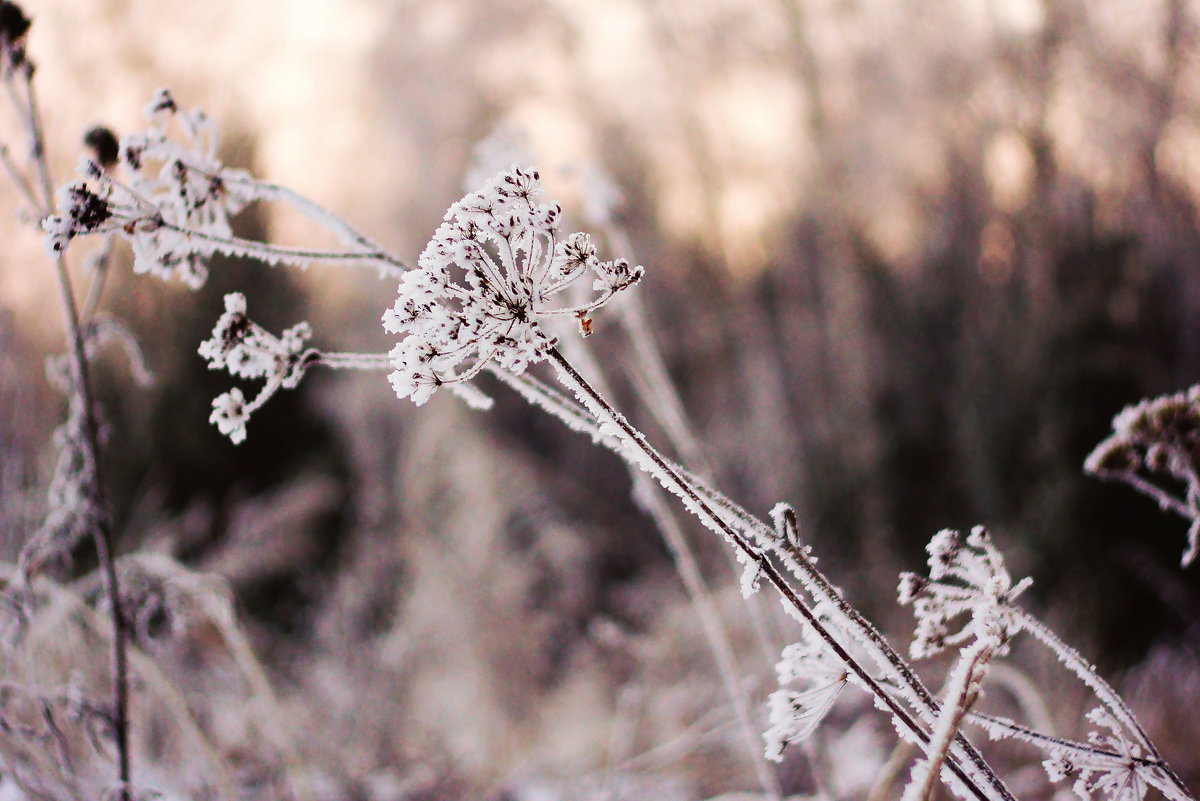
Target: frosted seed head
230, 414
491, 271
969, 594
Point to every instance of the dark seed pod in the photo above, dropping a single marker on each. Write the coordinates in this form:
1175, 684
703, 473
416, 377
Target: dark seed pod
103, 143
13, 23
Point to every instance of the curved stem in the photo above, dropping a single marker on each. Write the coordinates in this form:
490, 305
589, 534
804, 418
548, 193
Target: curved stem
1086, 674
299, 257
353, 361
332, 222
1165, 501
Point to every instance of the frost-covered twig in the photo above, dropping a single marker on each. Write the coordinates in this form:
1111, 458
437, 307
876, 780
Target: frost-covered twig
967, 767
81, 438
176, 204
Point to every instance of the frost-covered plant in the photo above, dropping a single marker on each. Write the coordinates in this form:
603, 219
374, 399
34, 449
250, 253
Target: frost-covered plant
968, 581
495, 272
249, 351
1155, 448
77, 503
175, 206
176, 190
795, 715
472, 324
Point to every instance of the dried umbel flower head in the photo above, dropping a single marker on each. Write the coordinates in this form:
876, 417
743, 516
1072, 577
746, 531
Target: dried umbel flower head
968, 580
176, 205
795, 714
247, 350
1161, 435
492, 270
1155, 448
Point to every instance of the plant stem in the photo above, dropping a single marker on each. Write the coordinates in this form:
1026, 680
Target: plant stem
650, 461
101, 528
654, 502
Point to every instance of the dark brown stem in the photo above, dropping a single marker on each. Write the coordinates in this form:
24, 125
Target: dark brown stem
101, 526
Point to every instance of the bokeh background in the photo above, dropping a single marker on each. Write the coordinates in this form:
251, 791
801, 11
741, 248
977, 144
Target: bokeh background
905, 261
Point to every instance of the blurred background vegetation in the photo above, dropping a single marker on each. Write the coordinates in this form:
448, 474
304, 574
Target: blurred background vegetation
905, 260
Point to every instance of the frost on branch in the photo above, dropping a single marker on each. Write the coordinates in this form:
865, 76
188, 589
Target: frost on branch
967, 578
494, 267
1155, 448
247, 350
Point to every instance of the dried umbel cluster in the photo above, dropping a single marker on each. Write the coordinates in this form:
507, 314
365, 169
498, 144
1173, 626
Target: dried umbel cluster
494, 268
249, 351
1155, 448
795, 714
967, 581
176, 200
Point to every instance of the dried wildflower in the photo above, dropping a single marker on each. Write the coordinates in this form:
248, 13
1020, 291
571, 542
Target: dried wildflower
191, 185
967, 578
84, 211
1155, 448
176, 206
247, 350
1112, 767
793, 715
491, 271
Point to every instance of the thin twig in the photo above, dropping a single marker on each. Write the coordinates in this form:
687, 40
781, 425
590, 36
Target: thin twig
101, 528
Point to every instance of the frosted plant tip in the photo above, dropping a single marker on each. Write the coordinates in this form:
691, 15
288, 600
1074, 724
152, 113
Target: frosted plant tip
494, 268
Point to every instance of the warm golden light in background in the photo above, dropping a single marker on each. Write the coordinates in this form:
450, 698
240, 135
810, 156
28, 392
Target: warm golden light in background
734, 117
898, 251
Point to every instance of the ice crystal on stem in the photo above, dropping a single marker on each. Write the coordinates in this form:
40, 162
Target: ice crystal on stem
492, 269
